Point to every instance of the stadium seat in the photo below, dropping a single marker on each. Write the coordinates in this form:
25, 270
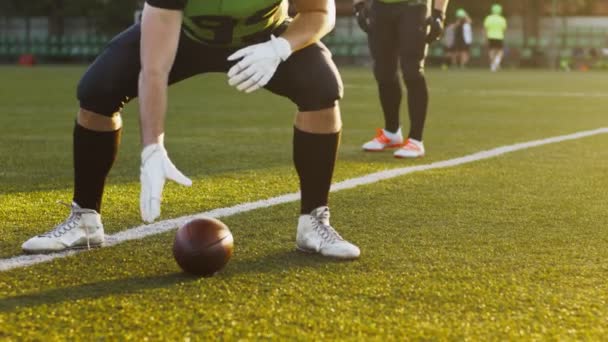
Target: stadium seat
17, 46
38, 47
77, 45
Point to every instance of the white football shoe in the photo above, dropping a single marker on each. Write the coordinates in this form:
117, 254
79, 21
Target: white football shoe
384, 140
411, 149
316, 235
82, 229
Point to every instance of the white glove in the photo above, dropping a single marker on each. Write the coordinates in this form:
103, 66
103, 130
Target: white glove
155, 169
258, 64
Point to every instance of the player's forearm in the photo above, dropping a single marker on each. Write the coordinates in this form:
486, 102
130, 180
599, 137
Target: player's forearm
441, 5
159, 39
315, 20
152, 106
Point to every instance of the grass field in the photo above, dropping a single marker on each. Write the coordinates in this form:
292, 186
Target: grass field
512, 247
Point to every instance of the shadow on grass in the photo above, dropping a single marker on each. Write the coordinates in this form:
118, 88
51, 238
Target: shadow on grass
93, 291
275, 263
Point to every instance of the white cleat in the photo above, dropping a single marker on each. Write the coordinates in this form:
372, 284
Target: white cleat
384, 140
411, 149
82, 229
316, 235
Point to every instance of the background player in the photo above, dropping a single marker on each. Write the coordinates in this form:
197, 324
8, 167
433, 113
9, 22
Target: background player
398, 34
495, 26
177, 39
463, 38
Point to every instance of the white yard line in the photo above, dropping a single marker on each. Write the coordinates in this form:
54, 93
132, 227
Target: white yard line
524, 93
502, 92
141, 232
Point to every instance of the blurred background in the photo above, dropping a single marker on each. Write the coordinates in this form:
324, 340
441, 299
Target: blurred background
558, 34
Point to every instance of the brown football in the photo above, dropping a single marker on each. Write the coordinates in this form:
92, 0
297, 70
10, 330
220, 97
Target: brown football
203, 246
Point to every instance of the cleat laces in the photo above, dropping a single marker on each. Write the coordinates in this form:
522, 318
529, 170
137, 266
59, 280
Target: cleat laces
320, 224
70, 223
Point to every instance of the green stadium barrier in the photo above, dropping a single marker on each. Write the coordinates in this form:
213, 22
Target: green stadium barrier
544, 42
583, 42
527, 53
476, 51
565, 53
436, 50
598, 42
359, 50
342, 50
571, 41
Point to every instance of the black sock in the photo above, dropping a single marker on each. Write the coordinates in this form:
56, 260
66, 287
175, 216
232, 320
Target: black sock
418, 101
314, 156
390, 99
94, 154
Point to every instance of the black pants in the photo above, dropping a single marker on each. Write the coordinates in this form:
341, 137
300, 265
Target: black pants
397, 38
309, 78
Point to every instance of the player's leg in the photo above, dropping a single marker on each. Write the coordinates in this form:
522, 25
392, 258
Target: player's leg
464, 59
317, 131
412, 52
454, 57
498, 55
491, 53
110, 82
382, 38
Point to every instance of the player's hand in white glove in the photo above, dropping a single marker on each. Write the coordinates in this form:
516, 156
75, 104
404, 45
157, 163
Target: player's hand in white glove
156, 168
257, 64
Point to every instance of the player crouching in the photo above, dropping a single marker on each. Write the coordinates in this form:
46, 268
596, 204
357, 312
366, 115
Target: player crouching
256, 44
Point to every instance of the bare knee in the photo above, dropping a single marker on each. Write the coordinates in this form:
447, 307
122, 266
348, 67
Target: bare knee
98, 122
324, 121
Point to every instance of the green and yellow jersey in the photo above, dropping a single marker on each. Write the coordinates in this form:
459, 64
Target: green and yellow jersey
228, 22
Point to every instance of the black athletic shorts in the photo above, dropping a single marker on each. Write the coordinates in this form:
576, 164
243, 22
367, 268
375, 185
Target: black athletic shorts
495, 43
461, 47
309, 78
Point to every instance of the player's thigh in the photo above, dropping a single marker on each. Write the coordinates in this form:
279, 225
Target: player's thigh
412, 41
382, 38
112, 79
309, 78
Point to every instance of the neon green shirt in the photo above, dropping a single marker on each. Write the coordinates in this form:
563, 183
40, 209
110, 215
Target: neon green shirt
495, 25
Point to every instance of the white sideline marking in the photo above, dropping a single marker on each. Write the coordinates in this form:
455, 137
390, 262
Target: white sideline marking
502, 92
143, 231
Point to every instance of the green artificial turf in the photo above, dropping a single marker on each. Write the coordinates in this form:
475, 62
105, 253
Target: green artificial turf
514, 247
